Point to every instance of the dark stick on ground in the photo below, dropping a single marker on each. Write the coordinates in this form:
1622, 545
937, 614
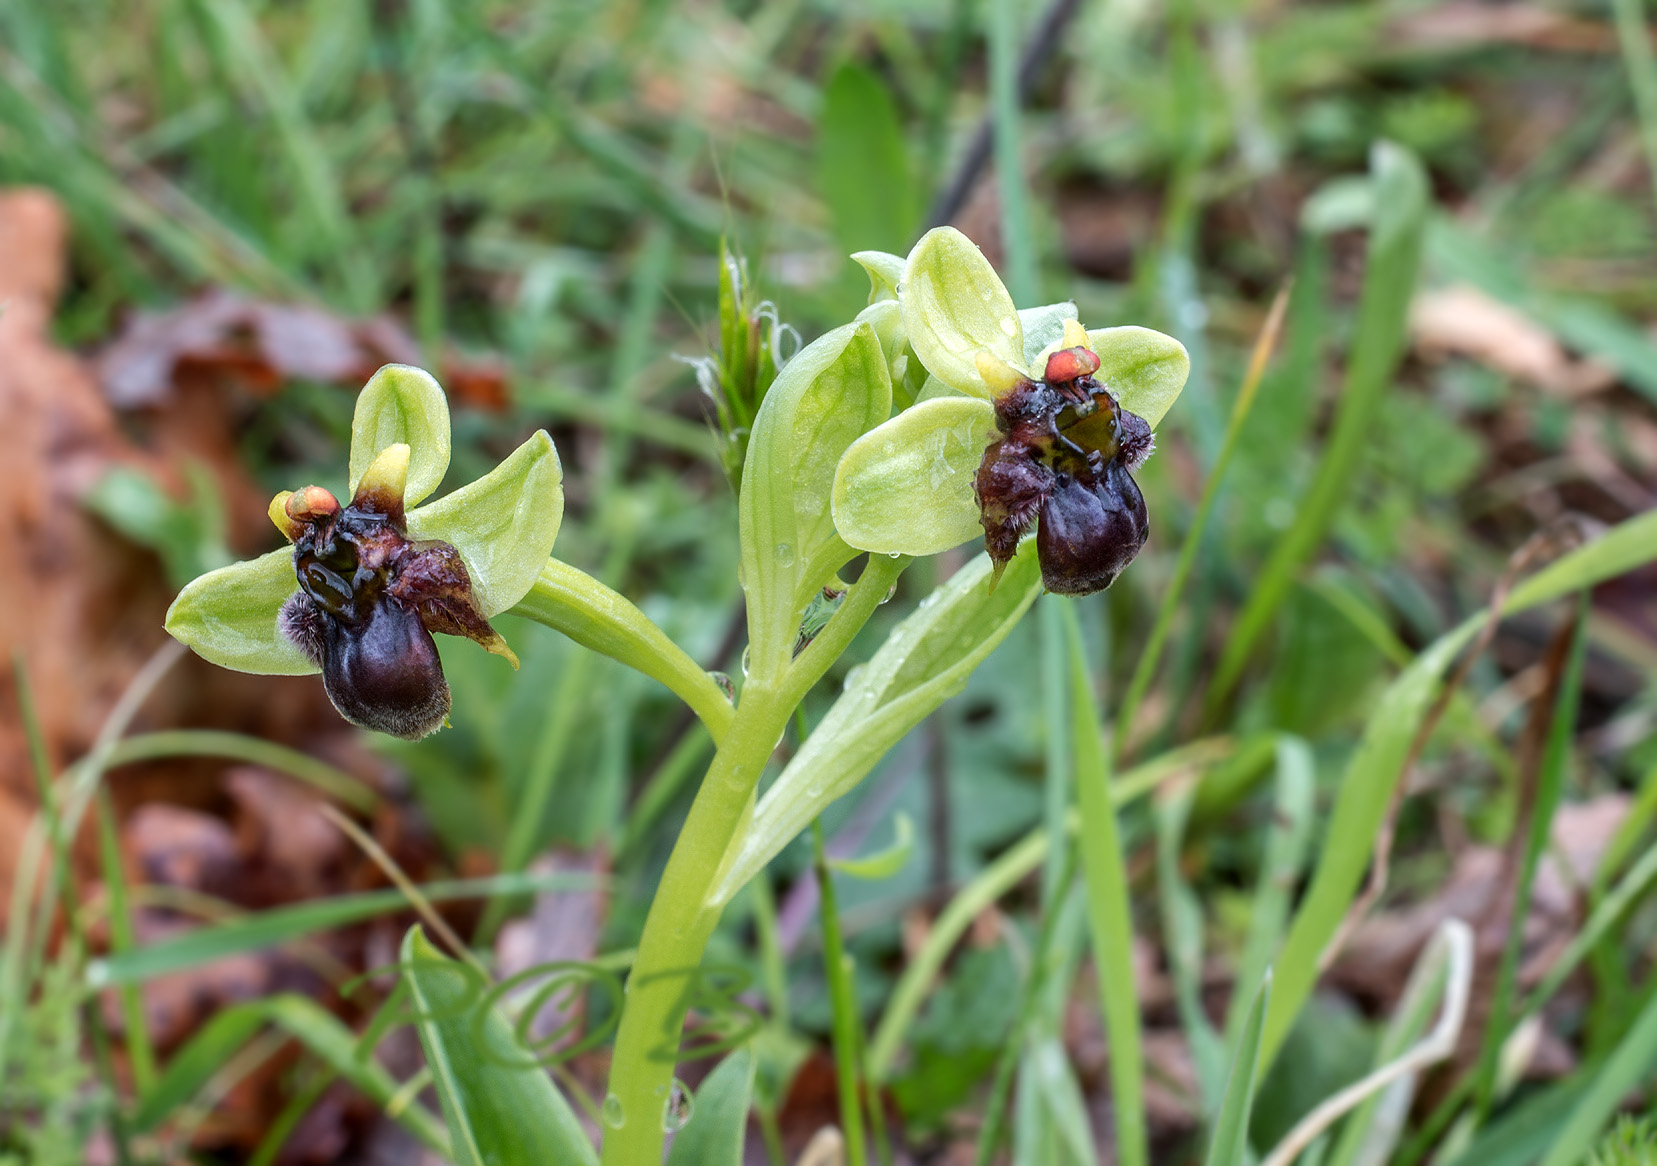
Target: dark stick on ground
1031, 66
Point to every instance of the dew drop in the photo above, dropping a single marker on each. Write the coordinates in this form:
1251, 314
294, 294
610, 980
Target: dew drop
679, 1106
1009, 325
894, 554
726, 685
745, 655
612, 1112
890, 591
784, 554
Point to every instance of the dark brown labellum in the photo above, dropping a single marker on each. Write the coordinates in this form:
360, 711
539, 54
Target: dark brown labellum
369, 600
1091, 529
1063, 460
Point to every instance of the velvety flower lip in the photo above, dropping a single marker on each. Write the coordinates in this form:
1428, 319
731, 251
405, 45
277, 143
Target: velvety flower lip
364, 585
1011, 431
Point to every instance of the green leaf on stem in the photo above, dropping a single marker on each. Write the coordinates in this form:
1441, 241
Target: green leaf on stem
836, 389
925, 660
905, 487
500, 1110
401, 403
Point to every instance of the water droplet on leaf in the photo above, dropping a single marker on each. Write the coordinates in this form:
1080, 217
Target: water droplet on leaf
612, 1112
784, 554
678, 1108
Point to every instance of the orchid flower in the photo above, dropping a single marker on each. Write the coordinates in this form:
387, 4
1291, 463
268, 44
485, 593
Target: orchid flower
363, 586
1028, 421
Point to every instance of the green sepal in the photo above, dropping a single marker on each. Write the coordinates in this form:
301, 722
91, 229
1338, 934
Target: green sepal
836, 389
503, 524
886, 318
906, 486
228, 616
925, 660
401, 403
1144, 369
1044, 329
885, 273
955, 306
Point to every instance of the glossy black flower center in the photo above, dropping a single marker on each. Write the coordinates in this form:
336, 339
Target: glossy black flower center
1063, 459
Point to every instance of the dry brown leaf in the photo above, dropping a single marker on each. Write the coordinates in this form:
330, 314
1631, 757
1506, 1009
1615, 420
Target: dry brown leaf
1464, 321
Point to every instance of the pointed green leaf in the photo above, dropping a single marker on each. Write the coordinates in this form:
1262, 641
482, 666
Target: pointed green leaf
228, 616
906, 486
402, 403
718, 1123
1145, 369
836, 389
885, 273
1047, 1070
954, 307
924, 662
503, 524
500, 1112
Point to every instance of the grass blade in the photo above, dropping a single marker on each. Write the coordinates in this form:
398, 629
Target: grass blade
1366, 788
285, 924
1169, 606
1109, 911
1628, 1065
848, 1040
1401, 203
1450, 958
306, 1021
1231, 1129
1550, 784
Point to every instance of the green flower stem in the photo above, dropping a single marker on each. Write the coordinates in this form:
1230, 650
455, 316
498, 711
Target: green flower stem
594, 616
872, 589
663, 981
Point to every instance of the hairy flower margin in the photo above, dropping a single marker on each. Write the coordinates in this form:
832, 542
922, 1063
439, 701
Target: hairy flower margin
402, 571
907, 486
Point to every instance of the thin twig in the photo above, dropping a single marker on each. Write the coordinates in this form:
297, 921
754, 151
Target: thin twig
1033, 65
396, 874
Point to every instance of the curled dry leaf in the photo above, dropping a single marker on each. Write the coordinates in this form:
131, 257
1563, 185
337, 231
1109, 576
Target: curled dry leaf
1463, 321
